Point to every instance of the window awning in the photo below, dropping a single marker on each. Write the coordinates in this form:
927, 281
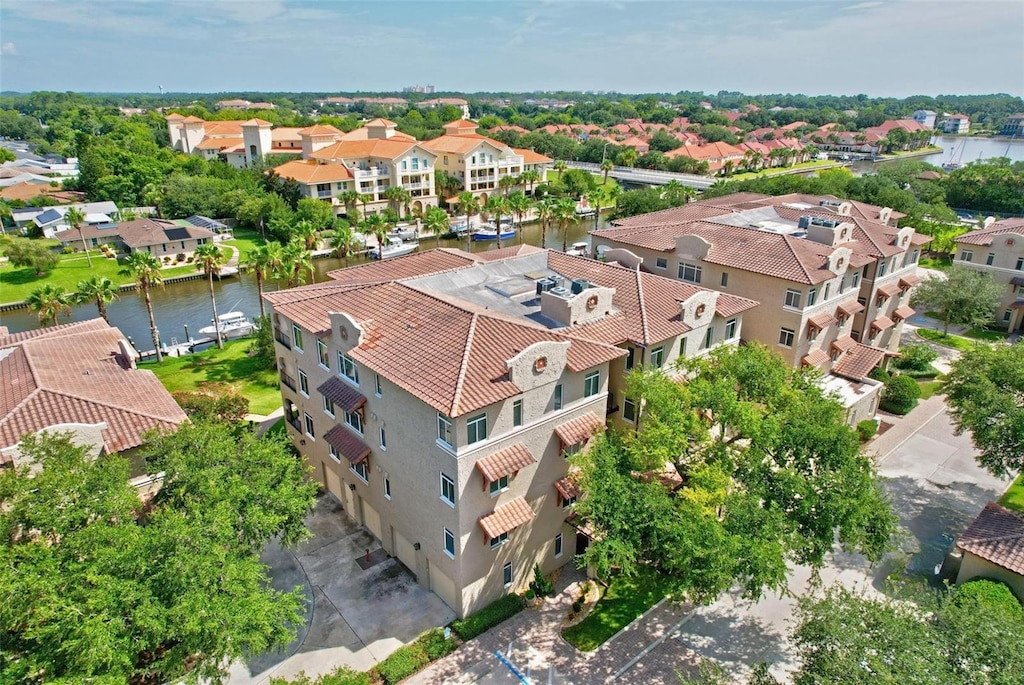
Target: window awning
883, 323
815, 357
1019, 304
580, 429
347, 444
844, 344
506, 517
505, 462
342, 394
822, 320
889, 289
566, 488
903, 312
909, 281
850, 308
859, 362
1017, 280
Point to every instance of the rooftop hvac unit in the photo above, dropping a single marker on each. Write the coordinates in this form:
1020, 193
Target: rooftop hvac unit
544, 285
830, 203
827, 223
561, 292
579, 285
805, 222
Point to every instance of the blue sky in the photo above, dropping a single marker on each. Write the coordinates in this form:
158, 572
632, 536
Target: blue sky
892, 48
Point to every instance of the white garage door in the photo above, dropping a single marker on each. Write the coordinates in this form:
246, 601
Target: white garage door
371, 519
405, 552
333, 483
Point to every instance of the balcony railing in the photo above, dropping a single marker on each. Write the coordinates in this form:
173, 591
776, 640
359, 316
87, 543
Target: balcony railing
280, 337
295, 423
323, 193
287, 380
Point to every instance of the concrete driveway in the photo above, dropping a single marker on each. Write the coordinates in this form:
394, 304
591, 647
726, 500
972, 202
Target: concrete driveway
355, 617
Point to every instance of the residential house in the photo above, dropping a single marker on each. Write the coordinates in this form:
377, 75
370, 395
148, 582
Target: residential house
956, 124
717, 155
992, 547
833, 277
51, 220
462, 105
481, 162
1013, 126
998, 250
53, 167
167, 240
26, 190
925, 117
243, 104
80, 378
457, 463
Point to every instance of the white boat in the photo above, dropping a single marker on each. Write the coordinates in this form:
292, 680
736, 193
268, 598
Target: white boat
404, 232
488, 232
578, 250
955, 160
396, 248
583, 208
231, 324
458, 227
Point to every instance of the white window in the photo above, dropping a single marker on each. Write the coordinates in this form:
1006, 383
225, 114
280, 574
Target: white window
592, 384
660, 263
444, 430
354, 421
303, 383
499, 541
657, 356
1006, 316
334, 454
828, 288
558, 397
449, 543
630, 357
329, 406
883, 266
347, 368
322, 355
568, 501
628, 410
361, 470
309, 426
476, 429
793, 298
506, 574
500, 485
447, 490
387, 487
377, 388
383, 439
730, 329
297, 337
558, 545
689, 273
709, 338
517, 413
856, 279
1020, 264
786, 337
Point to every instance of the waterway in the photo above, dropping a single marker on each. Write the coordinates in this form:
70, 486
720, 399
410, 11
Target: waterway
973, 150
187, 304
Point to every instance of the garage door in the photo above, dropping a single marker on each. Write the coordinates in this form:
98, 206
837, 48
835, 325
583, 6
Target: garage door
371, 519
442, 586
405, 552
333, 483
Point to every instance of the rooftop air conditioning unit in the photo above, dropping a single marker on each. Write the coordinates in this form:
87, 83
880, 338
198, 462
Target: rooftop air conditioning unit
544, 285
830, 203
579, 285
561, 292
805, 222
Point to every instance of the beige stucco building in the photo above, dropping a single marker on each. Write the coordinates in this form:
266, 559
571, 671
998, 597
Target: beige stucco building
992, 547
998, 250
437, 394
833, 278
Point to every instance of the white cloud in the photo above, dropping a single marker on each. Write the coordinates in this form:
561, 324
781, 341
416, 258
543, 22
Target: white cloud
8, 49
862, 6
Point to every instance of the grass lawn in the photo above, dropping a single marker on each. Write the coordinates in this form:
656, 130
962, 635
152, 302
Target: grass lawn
553, 178
776, 171
623, 601
244, 241
941, 263
278, 429
231, 366
986, 335
1014, 497
954, 341
929, 388
17, 283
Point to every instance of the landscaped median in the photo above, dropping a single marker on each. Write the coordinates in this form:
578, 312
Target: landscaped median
625, 600
958, 342
1014, 496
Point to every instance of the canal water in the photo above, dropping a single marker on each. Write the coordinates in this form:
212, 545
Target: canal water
187, 304
973, 150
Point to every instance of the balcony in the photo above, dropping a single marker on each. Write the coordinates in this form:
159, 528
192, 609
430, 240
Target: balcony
295, 423
287, 380
370, 174
482, 178
323, 194
282, 338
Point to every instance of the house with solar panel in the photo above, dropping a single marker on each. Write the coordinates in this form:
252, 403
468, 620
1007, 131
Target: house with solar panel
166, 240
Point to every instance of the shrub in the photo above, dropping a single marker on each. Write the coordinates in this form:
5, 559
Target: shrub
917, 357
435, 644
866, 429
993, 594
488, 617
900, 394
342, 676
214, 402
402, 663
262, 347
541, 585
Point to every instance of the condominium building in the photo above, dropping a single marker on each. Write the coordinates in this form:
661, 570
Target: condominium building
833, 277
956, 123
481, 162
239, 143
438, 395
925, 117
998, 250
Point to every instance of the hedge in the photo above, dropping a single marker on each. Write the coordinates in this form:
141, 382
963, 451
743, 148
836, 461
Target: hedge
900, 395
488, 617
866, 429
414, 657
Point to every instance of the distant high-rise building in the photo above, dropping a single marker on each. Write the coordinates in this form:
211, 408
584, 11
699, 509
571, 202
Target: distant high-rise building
427, 90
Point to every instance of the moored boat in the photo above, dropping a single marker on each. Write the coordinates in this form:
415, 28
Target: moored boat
489, 232
231, 325
396, 248
578, 250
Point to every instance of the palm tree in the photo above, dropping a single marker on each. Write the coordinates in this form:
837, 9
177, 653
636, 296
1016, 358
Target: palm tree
210, 259
530, 176
545, 213
628, 157
75, 217
98, 289
341, 241
264, 261
306, 231
295, 260
365, 199
519, 204
436, 221
497, 205
49, 301
145, 269
349, 198
595, 198
606, 167
565, 212
507, 183
398, 196
469, 206
560, 166
377, 225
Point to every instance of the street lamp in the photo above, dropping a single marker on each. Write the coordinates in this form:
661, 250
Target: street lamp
604, 150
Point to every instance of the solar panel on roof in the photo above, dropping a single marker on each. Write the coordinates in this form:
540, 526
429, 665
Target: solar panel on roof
206, 222
177, 233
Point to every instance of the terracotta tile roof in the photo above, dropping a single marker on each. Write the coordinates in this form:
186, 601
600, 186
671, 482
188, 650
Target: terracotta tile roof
580, 429
262, 123
531, 157
903, 312
347, 444
889, 289
822, 320
858, 362
997, 536
505, 462
983, 236
676, 215
883, 323
844, 343
218, 143
290, 134
408, 266
909, 280
850, 308
346, 397
506, 252
567, 488
309, 171
388, 148
221, 128
462, 144
26, 191
320, 130
381, 122
75, 374
506, 517
815, 358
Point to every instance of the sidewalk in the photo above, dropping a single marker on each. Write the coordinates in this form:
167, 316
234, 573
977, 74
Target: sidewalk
904, 427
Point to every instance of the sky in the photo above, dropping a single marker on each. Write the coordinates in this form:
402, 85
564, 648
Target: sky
892, 48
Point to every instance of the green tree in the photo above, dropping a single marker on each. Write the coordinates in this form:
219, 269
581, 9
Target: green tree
519, 204
32, 254
468, 205
900, 394
107, 588
984, 389
398, 197
264, 261
210, 259
435, 221
566, 216
965, 297
497, 206
49, 301
98, 289
317, 212
144, 268
530, 177
577, 182
76, 217
296, 260
606, 167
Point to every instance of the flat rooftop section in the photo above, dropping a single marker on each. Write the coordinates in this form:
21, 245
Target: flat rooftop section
848, 391
508, 287
768, 220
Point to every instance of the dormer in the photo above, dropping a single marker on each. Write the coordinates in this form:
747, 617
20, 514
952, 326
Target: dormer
839, 260
576, 302
903, 237
884, 214
692, 247
699, 309
380, 129
317, 138
460, 127
345, 330
539, 364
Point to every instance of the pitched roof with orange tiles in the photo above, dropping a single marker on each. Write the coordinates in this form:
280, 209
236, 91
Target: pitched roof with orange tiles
531, 157
320, 130
222, 143
461, 144
75, 373
858, 361
997, 536
363, 133
406, 266
983, 236
309, 171
221, 128
506, 517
